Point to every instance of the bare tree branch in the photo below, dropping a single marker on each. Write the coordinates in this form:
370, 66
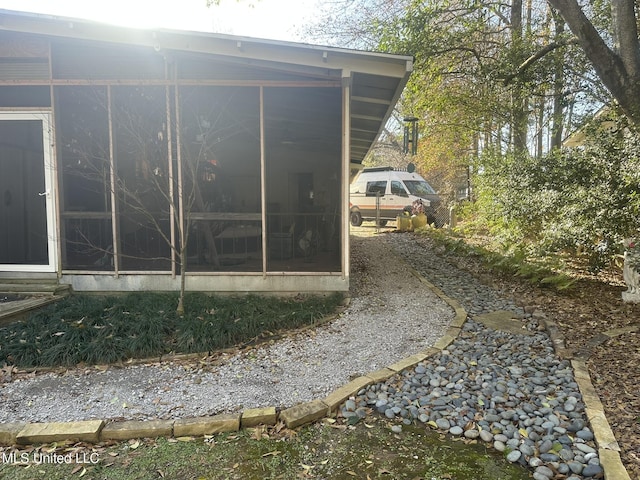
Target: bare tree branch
537, 56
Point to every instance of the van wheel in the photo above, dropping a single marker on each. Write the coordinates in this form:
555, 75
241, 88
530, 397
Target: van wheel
356, 219
381, 223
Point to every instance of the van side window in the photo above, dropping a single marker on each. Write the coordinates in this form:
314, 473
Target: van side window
379, 186
397, 188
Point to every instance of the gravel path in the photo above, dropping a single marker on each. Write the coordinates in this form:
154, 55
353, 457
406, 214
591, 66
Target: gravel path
391, 316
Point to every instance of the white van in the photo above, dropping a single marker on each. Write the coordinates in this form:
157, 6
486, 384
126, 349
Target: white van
395, 190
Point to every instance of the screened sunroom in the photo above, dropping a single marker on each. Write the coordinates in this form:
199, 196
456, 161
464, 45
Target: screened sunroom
131, 158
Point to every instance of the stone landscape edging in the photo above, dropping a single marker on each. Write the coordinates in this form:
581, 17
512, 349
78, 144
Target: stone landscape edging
95, 431
608, 447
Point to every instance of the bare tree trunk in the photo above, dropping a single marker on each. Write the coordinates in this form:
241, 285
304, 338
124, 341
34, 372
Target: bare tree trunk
183, 263
540, 129
619, 72
558, 88
518, 100
206, 230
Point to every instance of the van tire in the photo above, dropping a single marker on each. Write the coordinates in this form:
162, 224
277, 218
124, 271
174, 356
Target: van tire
381, 223
356, 218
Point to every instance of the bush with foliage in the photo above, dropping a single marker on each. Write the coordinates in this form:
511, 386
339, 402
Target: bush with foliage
585, 199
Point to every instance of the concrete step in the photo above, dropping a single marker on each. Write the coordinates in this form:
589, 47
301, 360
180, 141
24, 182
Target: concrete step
39, 287
20, 296
10, 311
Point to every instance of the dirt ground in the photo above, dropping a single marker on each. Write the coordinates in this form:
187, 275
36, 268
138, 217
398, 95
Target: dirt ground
591, 307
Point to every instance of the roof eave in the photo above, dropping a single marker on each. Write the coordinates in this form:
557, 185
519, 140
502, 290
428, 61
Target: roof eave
201, 42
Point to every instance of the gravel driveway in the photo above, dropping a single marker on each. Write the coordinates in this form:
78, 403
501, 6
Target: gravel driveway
392, 315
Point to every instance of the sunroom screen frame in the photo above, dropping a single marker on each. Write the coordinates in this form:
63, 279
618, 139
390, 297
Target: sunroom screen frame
370, 81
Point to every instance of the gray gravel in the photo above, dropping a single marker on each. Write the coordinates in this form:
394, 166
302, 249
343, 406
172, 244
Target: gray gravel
508, 390
391, 316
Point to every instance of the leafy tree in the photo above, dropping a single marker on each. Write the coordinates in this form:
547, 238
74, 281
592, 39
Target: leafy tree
479, 81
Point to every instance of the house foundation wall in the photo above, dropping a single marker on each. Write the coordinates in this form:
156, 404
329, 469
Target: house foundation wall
228, 283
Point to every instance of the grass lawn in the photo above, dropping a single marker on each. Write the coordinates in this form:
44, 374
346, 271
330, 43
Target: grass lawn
323, 451
98, 329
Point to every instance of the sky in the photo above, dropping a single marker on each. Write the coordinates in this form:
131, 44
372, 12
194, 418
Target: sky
272, 19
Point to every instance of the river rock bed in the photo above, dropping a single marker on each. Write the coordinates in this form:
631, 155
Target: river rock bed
508, 390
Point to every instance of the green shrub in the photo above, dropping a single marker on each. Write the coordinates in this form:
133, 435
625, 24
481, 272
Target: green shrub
583, 200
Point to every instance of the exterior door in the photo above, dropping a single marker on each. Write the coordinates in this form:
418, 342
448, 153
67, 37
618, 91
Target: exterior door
27, 218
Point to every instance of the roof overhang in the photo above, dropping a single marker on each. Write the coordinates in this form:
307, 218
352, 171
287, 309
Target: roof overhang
376, 80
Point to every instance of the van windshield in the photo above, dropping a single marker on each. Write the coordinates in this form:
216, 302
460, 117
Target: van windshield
419, 188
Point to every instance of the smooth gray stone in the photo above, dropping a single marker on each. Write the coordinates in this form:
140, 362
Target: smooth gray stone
592, 471
583, 447
514, 456
443, 424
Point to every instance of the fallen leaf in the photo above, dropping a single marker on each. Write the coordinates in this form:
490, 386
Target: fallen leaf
268, 454
339, 427
135, 444
353, 420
